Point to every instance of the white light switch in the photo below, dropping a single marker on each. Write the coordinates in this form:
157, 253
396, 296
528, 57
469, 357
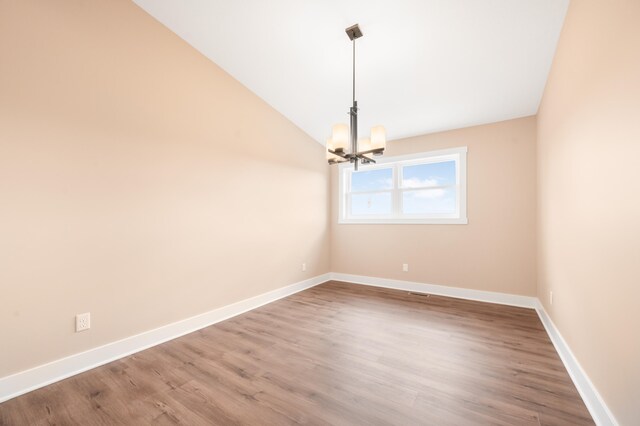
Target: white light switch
405, 267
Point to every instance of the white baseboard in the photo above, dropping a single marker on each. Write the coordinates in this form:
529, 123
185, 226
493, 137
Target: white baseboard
37, 377
440, 290
592, 399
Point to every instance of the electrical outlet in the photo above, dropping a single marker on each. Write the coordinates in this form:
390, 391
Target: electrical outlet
405, 267
304, 267
551, 298
83, 322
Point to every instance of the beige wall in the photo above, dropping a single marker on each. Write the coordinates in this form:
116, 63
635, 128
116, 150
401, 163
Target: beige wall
495, 251
589, 184
138, 181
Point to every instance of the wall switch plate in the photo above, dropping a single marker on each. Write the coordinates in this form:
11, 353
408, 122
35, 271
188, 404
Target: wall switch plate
83, 322
405, 267
304, 267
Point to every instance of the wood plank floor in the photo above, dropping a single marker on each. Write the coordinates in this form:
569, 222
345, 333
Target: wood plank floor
336, 354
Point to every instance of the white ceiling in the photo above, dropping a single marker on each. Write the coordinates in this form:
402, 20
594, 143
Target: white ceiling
422, 65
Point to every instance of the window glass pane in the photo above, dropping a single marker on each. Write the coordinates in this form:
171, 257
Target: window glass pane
429, 174
429, 201
372, 180
371, 204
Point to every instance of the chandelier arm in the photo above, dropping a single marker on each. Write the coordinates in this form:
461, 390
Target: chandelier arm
333, 161
372, 151
340, 153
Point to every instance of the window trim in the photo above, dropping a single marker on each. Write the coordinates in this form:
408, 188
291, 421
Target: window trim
459, 154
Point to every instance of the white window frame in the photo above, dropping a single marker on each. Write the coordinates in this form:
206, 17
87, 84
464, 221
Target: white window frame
459, 155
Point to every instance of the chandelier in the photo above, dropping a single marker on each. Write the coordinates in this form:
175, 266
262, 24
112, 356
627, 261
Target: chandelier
344, 136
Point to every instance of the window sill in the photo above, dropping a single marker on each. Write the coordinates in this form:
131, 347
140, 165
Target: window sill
433, 221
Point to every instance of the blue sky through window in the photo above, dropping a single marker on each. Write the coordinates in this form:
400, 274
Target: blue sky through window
371, 204
434, 200
429, 189
372, 180
429, 174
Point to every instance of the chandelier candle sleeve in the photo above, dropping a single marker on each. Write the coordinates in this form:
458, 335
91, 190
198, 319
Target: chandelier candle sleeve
364, 144
378, 138
344, 145
330, 147
340, 137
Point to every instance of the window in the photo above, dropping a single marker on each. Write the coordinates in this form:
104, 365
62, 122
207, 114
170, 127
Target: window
423, 188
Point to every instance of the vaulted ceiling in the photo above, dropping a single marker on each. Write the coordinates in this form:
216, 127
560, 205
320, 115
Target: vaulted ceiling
422, 65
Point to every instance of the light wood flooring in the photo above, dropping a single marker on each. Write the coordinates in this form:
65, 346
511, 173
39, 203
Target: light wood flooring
338, 354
